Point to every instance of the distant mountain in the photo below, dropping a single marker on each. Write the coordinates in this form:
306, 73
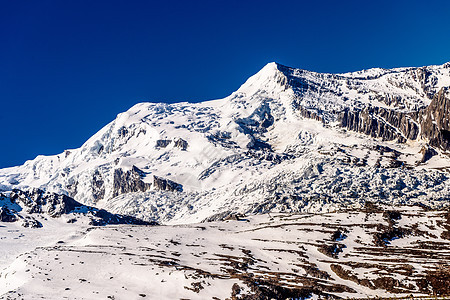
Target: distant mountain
287, 140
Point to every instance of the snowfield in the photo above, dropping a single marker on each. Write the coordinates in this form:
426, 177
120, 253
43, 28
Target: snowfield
357, 254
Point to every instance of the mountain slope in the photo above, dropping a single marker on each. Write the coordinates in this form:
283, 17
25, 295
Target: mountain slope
286, 140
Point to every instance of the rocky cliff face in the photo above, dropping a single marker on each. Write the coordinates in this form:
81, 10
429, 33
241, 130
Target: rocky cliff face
98, 186
380, 123
430, 123
129, 181
163, 184
434, 120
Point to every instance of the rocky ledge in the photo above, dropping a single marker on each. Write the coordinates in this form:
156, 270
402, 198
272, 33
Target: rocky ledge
26, 205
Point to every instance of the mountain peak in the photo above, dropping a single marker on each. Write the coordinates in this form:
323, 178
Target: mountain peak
271, 66
269, 78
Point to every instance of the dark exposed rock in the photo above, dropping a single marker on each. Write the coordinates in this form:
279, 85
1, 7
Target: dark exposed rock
427, 153
392, 215
446, 233
103, 217
219, 216
316, 272
129, 181
389, 284
138, 171
332, 250
371, 207
122, 131
386, 234
267, 290
235, 217
310, 114
30, 222
435, 121
163, 184
258, 121
6, 215
274, 157
223, 139
72, 187
100, 150
348, 275
387, 150
426, 80
380, 123
162, 143
180, 143
235, 290
38, 201
257, 144
438, 281
389, 124
98, 186
339, 235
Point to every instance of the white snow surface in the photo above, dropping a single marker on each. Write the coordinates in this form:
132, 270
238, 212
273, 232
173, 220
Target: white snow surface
202, 261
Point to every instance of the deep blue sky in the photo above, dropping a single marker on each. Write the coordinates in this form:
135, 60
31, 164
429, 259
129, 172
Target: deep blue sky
67, 68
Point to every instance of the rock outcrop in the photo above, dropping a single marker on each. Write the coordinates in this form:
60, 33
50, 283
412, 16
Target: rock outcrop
37, 201
98, 186
103, 217
431, 123
129, 181
380, 123
162, 143
6, 215
163, 184
427, 153
182, 144
434, 121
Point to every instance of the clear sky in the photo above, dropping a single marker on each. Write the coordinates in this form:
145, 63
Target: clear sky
67, 68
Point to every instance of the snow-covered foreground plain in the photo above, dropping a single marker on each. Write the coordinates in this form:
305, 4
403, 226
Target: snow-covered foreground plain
16, 239
367, 252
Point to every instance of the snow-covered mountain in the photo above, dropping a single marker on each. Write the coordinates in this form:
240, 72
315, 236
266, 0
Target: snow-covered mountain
287, 140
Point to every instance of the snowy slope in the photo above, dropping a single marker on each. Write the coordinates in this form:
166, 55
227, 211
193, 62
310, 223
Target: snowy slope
276, 144
355, 254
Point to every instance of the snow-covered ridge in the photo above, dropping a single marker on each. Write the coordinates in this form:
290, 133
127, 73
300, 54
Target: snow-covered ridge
31, 207
286, 140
